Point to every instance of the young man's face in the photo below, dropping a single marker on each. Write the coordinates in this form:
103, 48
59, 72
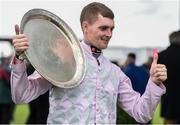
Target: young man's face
99, 33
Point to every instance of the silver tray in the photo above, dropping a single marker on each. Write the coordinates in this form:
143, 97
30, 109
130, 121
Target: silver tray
54, 50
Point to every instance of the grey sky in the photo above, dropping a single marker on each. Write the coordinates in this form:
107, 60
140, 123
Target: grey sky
137, 22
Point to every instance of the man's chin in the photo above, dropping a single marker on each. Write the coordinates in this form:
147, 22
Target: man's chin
104, 47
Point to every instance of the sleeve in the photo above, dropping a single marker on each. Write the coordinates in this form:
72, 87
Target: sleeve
24, 89
141, 108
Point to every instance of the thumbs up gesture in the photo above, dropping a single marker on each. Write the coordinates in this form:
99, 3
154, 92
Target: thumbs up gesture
20, 42
158, 72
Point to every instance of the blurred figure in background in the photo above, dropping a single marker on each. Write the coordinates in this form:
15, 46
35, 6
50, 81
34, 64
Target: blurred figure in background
170, 103
6, 103
131, 59
39, 108
147, 64
138, 75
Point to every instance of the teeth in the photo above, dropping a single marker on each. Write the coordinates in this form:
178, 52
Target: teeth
105, 39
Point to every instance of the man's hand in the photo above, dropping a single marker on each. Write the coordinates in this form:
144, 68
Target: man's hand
20, 42
158, 72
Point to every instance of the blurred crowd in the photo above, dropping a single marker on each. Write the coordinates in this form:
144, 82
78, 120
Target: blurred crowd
38, 108
6, 103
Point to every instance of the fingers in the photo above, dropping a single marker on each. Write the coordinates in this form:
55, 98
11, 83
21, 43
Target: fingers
20, 44
160, 79
159, 73
159, 68
19, 36
20, 41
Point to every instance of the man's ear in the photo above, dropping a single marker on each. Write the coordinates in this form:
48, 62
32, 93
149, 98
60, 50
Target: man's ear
84, 26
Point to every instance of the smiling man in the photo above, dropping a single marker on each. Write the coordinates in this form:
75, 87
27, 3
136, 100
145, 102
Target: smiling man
94, 100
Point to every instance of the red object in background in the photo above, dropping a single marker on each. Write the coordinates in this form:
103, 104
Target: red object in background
4, 75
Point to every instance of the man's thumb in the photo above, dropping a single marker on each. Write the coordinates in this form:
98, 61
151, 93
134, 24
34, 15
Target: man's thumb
17, 29
155, 57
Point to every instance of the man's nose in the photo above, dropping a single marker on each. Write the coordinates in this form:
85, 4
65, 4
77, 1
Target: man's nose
109, 32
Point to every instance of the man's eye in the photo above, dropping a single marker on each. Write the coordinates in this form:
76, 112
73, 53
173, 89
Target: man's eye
112, 29
103, 28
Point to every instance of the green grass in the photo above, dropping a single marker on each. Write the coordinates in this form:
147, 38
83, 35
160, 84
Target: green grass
21, 114
156, 118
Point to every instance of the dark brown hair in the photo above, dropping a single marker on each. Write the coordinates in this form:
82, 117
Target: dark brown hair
174, 38
91, 11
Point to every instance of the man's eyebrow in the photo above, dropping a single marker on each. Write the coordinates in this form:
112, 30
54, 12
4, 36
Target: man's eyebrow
105, 26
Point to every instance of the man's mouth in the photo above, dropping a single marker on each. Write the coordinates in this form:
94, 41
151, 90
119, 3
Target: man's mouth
105, 39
